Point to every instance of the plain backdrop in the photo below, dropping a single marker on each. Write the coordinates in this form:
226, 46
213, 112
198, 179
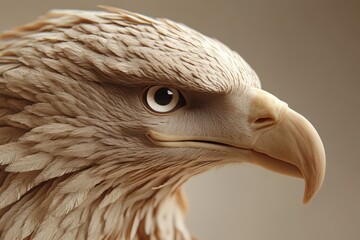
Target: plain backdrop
306, 52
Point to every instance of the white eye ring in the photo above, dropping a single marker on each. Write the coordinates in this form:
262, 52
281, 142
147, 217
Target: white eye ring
162, 99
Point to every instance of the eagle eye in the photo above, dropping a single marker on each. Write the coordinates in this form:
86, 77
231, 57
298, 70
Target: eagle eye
162, 99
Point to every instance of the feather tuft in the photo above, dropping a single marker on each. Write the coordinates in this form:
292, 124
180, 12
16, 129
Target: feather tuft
12, 152
30, 163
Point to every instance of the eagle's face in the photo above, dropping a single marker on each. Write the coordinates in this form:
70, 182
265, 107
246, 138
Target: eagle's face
108, 113
183, 132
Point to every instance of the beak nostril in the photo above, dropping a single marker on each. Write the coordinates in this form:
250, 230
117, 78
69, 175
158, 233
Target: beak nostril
265, 110
263, 120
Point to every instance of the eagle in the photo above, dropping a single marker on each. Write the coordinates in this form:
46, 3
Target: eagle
104, 115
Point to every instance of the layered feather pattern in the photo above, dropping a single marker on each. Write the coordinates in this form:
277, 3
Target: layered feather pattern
73, 162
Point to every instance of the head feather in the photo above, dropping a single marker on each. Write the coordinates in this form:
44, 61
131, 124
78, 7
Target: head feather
128, 48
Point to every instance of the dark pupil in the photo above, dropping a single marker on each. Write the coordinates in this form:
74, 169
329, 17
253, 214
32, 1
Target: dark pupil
163, 96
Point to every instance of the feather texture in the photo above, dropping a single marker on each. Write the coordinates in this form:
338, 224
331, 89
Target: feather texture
74, 160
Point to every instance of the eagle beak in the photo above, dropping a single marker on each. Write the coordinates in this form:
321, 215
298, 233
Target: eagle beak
286, 142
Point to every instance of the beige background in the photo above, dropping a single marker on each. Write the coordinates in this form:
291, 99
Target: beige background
308, 54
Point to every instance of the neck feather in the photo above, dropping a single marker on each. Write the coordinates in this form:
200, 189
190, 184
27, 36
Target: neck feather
55, 210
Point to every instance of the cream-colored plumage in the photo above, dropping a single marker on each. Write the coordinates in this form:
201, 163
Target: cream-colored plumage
75, 162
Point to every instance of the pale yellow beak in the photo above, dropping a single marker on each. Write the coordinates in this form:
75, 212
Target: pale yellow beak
287, 136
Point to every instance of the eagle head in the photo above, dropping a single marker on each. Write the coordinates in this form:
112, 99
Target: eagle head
105, 115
